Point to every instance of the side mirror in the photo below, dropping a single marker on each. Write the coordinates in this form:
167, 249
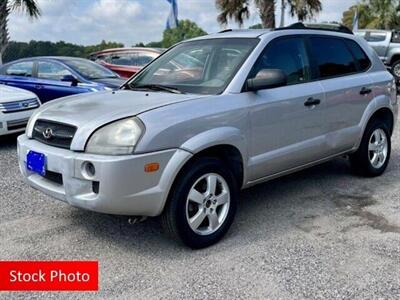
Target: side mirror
70, 78
267, 79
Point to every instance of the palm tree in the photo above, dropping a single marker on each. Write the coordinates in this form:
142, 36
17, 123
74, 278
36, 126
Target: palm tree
385, 12
239, 10
6, 7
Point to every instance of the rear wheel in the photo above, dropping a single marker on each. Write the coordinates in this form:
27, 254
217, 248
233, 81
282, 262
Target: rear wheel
372, 157
202, 203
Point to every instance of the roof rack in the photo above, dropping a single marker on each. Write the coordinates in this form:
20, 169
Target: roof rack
319, 26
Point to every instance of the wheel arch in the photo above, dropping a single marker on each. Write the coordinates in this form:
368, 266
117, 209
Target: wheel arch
384, 114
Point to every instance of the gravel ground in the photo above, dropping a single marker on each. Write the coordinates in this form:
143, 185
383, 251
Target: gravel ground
318, 234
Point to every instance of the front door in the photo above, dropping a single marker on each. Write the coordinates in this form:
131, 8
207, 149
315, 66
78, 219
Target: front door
286, 130
50, 85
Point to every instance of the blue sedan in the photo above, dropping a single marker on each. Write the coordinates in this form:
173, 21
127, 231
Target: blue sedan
54, 77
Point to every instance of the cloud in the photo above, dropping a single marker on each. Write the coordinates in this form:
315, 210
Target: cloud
128, 21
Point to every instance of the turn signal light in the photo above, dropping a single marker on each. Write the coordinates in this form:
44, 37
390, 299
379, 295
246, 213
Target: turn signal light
151, 167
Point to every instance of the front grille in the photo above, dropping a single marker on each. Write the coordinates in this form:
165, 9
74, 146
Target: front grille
16, 106
54, 133
54, 177
17, 124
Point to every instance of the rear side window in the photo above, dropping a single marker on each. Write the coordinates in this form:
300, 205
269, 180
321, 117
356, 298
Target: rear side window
359, 54
51, 71
375, 37
332, 56
20, 69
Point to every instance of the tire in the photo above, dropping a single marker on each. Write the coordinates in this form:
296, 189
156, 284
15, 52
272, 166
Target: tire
218, 207
366, 161
395, 68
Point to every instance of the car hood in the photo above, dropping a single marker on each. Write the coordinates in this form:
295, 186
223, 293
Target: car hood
111, 82
90, 111
10, 94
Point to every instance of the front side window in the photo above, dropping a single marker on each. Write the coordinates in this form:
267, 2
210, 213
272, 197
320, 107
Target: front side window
52, 71
20, 69
204, 66
332, 56
288, 55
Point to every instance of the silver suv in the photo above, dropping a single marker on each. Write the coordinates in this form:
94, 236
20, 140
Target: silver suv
209, 117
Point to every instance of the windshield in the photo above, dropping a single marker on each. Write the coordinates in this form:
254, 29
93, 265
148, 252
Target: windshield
199, 67
89, 69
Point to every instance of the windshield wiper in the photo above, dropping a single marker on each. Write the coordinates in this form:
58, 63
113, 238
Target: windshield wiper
156, 87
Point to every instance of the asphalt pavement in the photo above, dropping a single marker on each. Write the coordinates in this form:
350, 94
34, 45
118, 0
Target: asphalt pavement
322, 233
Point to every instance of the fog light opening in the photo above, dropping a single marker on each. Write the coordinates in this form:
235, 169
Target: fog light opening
88, 169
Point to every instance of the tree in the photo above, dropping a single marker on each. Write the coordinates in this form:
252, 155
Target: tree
30, 7
385, 12
365, 17
16, 50
186, 29
238, 10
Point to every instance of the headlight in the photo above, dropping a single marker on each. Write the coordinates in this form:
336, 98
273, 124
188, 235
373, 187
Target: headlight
117, 138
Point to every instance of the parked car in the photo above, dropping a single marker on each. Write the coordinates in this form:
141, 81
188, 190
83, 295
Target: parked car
55, 77
387, 44
125, 61
16, 106
265, 104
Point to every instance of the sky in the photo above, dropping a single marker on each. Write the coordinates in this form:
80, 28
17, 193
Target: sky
88, 22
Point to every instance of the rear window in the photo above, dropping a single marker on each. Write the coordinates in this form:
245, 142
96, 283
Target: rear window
332, 56
359, 54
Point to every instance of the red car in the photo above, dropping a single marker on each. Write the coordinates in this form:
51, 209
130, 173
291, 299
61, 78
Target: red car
125, 61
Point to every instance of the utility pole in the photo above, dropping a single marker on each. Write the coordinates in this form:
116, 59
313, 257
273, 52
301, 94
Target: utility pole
283, 11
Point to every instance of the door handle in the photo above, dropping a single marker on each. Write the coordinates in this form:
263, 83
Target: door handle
312, 102
365, 91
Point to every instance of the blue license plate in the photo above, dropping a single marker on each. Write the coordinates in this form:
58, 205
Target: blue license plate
36, 162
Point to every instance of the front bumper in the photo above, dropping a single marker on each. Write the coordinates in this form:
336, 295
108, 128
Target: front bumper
122, 185
14, 122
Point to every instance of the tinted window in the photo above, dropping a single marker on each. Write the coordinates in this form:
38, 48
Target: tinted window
288, 55
332, 57
52, 71
20, 69
396, 37
359, 55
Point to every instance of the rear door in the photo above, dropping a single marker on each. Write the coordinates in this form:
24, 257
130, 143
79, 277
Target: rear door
341, 67
286, 132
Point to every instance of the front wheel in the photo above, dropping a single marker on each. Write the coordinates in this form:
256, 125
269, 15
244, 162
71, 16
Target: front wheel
372, 157
396, 69
202, 204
